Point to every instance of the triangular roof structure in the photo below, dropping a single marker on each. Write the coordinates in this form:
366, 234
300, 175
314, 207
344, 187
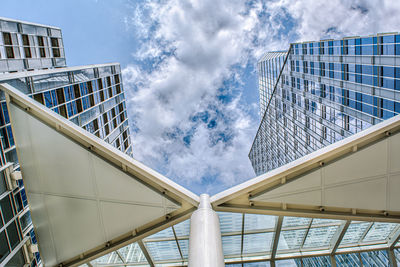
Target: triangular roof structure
87, 198
357, 177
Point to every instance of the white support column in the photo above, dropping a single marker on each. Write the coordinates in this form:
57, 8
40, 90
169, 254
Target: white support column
205, 245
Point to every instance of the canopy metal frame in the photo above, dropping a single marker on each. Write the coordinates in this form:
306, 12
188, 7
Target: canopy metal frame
243, 198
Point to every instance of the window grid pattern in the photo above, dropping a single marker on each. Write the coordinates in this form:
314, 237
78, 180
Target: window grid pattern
249, 237
25, 46
328, 90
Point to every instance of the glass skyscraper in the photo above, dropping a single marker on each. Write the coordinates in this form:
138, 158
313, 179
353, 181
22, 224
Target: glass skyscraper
32, 60
317, 93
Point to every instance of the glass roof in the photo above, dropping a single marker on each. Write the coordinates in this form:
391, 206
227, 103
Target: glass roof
251, 237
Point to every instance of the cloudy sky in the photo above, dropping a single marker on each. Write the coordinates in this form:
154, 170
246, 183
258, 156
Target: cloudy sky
189, 67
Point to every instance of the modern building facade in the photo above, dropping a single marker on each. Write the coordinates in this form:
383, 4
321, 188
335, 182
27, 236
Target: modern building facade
29, 46
317, 93
32, 60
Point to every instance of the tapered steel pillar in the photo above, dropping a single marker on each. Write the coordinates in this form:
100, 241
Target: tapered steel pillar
205, 246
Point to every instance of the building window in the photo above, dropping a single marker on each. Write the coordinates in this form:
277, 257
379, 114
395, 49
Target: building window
346, 122
323, 111
304, 46
380, 46
321, 48
345, 97
8, 45
323, 90
56, 47
4, 249
358, 46
307, 104
323, 132
331, 73
345, 48
42, 51
330, 47
345, 72
26, 44
331, 93
305, 66
378, 103
322, 69
306, 85
13, 235
6, 209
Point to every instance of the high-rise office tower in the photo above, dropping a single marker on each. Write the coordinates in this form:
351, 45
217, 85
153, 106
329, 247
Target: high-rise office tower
32, 60
317, 93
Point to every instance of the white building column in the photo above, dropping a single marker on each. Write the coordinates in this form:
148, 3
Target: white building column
205, 245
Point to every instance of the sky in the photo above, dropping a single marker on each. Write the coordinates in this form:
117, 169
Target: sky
190, 68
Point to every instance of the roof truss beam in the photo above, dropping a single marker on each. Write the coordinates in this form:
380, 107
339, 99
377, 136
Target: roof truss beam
394, 238
146, 253
339, 236
277, 234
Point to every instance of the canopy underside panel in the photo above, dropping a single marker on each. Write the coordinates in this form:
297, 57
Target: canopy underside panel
368, 179
78, 200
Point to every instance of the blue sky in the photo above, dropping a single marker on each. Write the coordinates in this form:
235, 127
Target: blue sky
189, 67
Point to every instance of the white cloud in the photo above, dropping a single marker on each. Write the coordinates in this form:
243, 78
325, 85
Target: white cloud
339, 18
194, 51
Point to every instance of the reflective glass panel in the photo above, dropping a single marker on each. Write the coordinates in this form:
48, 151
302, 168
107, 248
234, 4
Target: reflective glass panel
347, 260
231, 245
107, 259
184, 246
13, 235
163, 250
255, 243
258, 222
286, 263
325, 221
166, 233
317, 261
132, 253
320, 236
17, 260
3, 185
295, 222
354, 232
397, 255
379, 231
4, 249
230, 222
257, 264
291, 239
375, 258
182, 229
6, 209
